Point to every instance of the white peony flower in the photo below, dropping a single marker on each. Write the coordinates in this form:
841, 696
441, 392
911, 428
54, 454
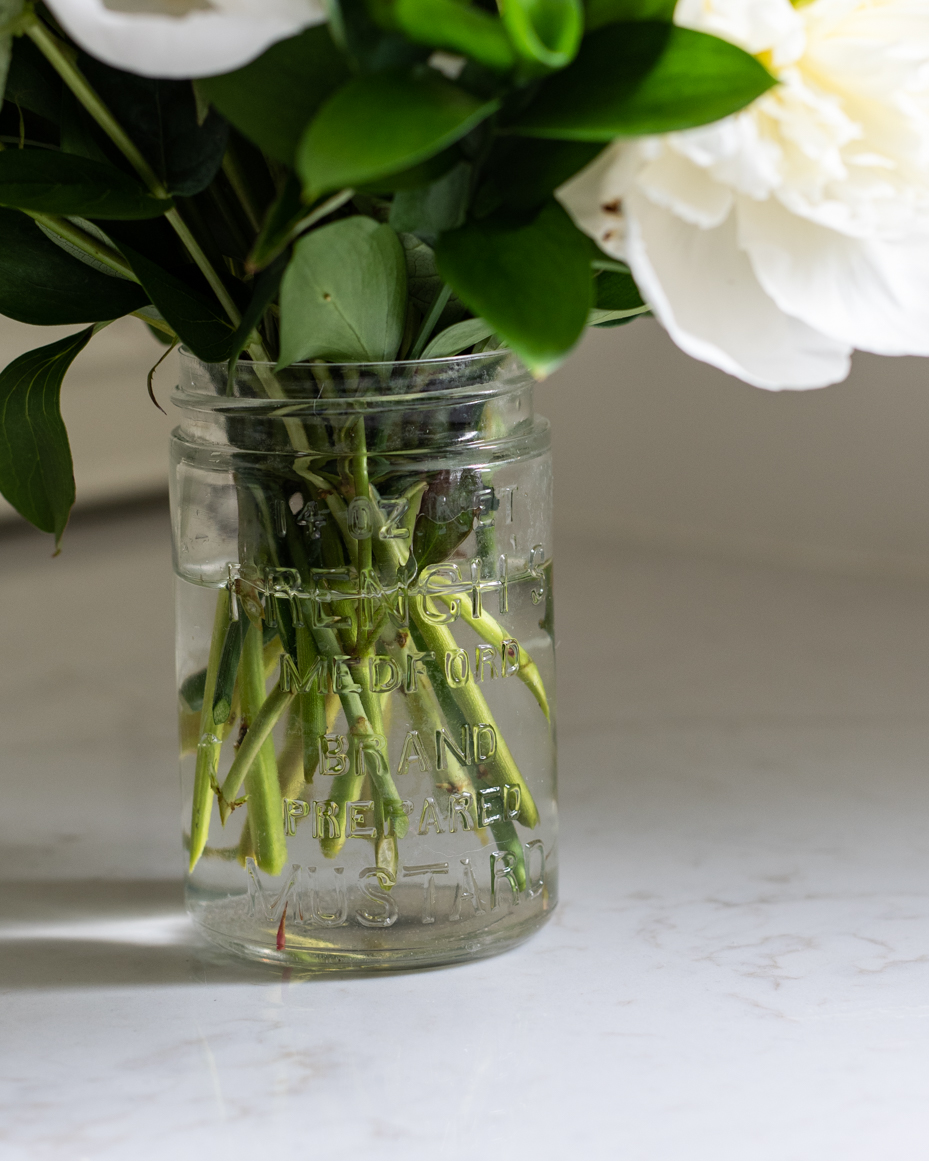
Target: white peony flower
772, 243
183, 38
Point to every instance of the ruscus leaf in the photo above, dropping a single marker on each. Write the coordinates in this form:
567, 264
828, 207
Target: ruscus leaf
637, 78
381, 123
36, 474
531, 282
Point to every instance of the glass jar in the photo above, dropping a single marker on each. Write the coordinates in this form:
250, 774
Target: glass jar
365, 659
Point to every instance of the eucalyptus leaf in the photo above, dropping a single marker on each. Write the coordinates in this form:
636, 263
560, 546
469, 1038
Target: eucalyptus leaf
600, 12
43, 285
45, 181
36, 473
531, 281
381, 123
194, 318
457, 338
637, 78
344, 294
272, 100
161, 118
459, 28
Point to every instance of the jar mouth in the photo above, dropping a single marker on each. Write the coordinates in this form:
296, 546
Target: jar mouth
307, 365
319, 386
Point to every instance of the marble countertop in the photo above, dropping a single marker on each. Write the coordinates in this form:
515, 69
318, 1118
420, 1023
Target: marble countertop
738, 969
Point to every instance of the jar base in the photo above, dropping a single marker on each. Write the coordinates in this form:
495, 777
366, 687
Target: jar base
349, 949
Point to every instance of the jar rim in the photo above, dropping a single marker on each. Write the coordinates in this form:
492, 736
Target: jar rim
363, 386
452, 360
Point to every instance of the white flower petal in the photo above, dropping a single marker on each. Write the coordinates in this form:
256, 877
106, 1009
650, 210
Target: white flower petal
594, 197
183, 38
871, 293
702, 288
677, 184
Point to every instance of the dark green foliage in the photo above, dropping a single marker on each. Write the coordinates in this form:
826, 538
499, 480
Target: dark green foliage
161, 118
32, 83
49, 182
530, 280
196, 320
36, 475
382, 123
272, 100
41, 284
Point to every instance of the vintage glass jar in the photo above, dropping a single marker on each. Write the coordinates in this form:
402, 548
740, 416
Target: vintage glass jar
365, 659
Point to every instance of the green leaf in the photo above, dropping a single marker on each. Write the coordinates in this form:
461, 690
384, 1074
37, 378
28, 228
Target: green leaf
382, 123
10, 11
457, 338
613, 291
632, 79
195, 319
544, 32
458, 28
263, 293
161, 118
530, 282
523, 172
431, 209
450, 495
272, 100
343, 297
32, 83
600, 12
36, 475
47, 182
41, 284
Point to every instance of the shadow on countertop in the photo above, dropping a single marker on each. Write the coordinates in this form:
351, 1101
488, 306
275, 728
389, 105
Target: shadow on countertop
105, 934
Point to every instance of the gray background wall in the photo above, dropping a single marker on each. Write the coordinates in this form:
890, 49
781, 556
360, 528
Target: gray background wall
650, 446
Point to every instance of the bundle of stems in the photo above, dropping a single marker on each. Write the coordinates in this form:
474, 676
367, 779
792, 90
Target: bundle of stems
375, 609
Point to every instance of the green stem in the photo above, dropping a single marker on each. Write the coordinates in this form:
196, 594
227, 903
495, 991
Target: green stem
486, 627
474, 708
265, 810
59, 58
209, 745
258, 733
72, 76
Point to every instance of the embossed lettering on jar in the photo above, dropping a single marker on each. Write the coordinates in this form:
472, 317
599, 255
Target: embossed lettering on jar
365, 659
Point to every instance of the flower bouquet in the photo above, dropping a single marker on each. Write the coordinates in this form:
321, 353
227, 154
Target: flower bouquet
370, 225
